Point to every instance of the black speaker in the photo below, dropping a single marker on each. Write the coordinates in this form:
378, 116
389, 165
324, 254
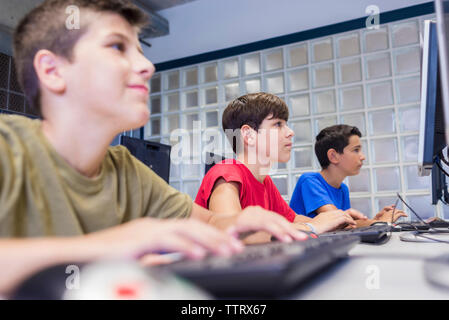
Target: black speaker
211, 160
154, 155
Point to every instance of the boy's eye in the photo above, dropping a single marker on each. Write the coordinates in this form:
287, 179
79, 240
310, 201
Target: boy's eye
278, 124
119, 46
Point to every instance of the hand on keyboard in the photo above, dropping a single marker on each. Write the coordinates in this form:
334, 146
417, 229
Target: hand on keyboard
386, 214
331, 220
253, 219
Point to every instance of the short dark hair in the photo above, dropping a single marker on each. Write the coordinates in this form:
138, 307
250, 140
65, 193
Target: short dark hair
334, 137
44, 28
251, 109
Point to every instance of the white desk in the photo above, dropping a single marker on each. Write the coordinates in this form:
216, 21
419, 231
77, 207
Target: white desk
393, 270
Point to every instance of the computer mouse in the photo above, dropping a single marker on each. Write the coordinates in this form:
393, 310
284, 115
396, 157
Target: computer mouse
107, 280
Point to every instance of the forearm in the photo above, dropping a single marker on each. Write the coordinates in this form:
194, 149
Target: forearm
301, 226
220, 220
301, 218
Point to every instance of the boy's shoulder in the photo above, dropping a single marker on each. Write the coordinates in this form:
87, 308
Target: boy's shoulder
15, 127
119, 151
228, 166
309, 176
16, 121
122, 158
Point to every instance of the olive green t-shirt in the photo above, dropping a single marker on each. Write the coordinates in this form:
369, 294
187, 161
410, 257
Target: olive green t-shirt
42, 195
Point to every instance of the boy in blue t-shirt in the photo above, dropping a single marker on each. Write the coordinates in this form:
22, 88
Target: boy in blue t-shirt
339, 151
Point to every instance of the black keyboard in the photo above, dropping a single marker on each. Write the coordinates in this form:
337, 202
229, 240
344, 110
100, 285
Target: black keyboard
370, 234
439, 223
412, 226
263, 270
418, 225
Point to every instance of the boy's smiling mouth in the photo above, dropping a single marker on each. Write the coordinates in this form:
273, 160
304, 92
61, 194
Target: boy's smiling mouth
142, 88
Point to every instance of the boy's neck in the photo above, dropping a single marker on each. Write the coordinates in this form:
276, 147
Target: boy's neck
259, 171
83, 145
333, 176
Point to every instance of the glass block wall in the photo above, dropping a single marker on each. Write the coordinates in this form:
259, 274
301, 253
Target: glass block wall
366, 78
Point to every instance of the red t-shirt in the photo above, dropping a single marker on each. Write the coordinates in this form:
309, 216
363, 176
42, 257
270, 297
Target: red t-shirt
252, 192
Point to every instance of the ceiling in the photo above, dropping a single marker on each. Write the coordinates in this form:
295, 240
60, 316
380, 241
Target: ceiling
12, 11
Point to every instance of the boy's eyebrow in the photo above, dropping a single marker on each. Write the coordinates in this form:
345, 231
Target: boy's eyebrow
125, 38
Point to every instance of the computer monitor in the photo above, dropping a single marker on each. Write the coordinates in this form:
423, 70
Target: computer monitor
442, 14
154, 155
432, 139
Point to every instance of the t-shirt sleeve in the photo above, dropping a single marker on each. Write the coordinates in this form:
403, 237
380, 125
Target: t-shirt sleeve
160, 200
229, 172
11, 179
6, 165
314, 195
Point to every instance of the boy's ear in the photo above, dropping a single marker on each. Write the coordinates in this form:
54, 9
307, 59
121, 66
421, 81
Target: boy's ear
47, 66
248, 135
333, 156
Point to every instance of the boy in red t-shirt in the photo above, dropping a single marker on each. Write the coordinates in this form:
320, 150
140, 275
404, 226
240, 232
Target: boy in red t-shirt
256, 126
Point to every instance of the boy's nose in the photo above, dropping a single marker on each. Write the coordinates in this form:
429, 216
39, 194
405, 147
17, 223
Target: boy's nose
290, 132
144, 67
148, 70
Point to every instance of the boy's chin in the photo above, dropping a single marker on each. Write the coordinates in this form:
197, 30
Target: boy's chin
356, 172
139, 120
283, 159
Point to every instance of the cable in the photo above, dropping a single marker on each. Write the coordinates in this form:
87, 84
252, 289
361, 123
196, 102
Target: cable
418, 233
394, 209
413, 211
391, 224
440, 167
438, 158
443, 158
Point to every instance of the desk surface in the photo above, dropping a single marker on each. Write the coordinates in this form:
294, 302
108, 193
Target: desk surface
394, 270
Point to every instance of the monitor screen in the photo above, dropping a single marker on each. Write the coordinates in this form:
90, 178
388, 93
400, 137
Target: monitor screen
432, 138
154, 155
432, 128
442, 14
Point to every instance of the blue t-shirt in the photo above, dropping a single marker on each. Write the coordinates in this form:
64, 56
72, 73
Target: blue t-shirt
312, 192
